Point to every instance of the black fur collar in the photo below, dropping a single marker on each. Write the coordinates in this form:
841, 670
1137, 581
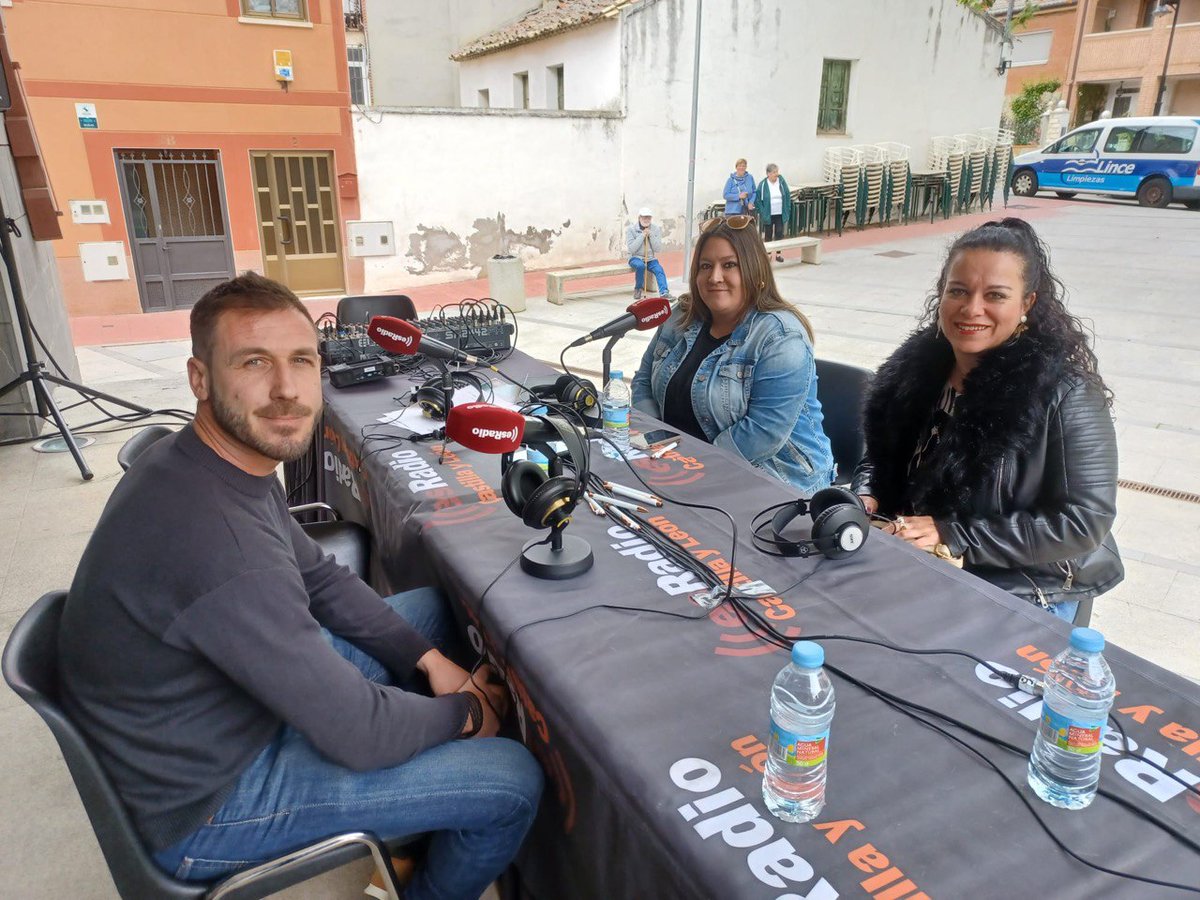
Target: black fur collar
1000, 412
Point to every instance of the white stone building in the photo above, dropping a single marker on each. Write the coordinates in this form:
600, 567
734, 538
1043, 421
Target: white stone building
578, 113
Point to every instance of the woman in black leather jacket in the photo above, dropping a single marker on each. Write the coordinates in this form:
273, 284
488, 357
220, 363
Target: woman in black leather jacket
988, 431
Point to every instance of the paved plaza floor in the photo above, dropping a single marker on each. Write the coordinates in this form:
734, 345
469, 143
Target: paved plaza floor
1129, 273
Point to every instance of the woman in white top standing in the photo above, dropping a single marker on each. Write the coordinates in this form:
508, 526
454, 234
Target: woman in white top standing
774, 205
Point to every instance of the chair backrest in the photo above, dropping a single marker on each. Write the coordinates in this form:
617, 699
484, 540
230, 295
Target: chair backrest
140, 443
359, 310
842, 390
30, 666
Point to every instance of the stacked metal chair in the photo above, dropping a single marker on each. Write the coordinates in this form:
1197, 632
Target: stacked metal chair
976, 165
872, 182
843, 166
898, 181
1000, 142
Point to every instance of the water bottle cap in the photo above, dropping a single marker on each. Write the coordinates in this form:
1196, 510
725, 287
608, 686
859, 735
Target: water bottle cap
614, 374
1089, 640
808, 655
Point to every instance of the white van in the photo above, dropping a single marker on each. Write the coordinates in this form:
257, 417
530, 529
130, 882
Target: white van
1153, 158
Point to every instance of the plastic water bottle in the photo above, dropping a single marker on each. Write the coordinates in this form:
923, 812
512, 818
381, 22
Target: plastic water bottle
1064, 767
802, 706
614, 404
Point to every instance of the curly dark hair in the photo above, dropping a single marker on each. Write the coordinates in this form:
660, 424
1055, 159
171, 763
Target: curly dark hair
1048, 315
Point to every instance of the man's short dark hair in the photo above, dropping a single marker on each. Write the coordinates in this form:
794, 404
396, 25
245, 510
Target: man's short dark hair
248, 291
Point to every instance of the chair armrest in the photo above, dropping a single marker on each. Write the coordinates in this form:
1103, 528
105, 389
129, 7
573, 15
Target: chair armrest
315, 507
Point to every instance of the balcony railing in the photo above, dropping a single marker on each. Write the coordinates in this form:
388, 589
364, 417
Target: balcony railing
354, 21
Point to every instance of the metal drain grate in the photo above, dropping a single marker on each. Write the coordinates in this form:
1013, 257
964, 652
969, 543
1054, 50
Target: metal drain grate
1185, 496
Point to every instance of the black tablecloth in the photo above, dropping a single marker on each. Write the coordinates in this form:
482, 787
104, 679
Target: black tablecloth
652, 730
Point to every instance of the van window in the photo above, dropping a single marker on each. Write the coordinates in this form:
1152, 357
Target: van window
1079, 142
1121, 139
1168, 139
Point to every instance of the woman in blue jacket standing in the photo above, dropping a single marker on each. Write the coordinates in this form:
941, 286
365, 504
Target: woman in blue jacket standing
739, 190
734, 364
774, 203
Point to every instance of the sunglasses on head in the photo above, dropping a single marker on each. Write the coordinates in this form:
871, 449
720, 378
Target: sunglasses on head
737, 222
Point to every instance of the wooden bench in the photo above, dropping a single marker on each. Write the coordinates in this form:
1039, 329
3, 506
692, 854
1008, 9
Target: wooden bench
810, 248
555, 280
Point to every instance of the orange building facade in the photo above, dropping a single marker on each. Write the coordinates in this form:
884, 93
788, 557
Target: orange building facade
180, 152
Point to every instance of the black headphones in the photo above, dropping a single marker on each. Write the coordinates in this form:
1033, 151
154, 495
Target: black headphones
542, 500
840, 525
570, 390
431, 396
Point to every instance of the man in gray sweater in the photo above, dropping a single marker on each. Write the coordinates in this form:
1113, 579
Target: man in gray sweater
242, 689
643, 240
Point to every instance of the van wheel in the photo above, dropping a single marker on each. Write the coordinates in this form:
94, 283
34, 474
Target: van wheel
1025, 183
1154, 192
1066, 195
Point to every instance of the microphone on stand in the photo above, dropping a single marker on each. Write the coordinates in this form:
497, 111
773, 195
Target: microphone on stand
485, 428
641, 315
406, 339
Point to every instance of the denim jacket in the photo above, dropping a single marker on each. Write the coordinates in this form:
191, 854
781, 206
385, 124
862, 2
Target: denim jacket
756, 394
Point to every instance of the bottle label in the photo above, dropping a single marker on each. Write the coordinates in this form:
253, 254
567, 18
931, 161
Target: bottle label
1072, 735
616, 417
799, 749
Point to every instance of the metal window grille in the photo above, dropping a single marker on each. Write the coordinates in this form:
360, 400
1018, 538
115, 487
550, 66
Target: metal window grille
835, 94
360, 85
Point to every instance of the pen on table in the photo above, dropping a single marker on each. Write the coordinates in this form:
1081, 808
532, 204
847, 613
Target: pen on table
661, 450
619, 504
621, 491
595, 507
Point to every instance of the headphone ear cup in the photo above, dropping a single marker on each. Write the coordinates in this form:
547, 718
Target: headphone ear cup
432, 399
551, 503
832, 496
840, 529
578, 393
519, 483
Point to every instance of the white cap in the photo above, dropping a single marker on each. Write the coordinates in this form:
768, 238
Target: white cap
645, 211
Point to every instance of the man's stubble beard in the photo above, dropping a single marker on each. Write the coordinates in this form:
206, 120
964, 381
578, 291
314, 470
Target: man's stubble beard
238, 425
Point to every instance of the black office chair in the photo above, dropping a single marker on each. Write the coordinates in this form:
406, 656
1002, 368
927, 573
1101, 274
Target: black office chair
359, 310
140, 443
348, 542
842, 390
30, 666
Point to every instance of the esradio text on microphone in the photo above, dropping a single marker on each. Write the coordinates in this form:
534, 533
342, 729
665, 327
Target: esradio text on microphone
513, 434
404, 339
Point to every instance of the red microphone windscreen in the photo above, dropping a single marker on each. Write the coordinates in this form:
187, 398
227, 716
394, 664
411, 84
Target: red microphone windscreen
485, 428
650, 312
395, 335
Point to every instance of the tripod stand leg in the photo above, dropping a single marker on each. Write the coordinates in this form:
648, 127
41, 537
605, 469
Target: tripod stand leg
44, 394
95, 394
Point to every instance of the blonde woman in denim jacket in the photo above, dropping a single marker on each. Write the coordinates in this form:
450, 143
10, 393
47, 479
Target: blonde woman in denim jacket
734, 365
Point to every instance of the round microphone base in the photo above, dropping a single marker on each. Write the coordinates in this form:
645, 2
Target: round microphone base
542, 561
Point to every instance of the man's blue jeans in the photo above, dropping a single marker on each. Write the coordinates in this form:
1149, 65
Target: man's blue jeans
478, 797
640, 267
